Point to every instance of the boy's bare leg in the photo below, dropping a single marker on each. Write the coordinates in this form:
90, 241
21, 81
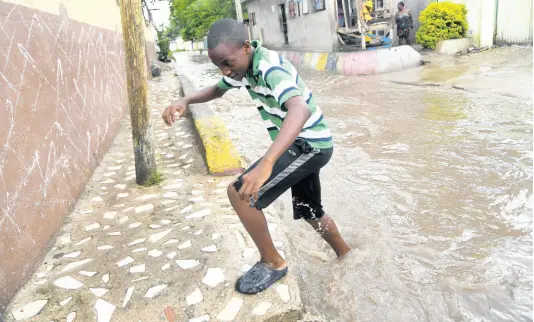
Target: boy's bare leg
326, 227
256, 225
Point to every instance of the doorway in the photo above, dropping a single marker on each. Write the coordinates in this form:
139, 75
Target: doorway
283, 21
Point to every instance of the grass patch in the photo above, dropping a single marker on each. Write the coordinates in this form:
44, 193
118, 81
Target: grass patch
155, 178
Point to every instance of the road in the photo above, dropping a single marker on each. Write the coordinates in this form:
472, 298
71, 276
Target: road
431, 183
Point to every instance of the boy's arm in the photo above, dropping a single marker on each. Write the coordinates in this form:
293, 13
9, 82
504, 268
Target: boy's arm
204, 95
287, 93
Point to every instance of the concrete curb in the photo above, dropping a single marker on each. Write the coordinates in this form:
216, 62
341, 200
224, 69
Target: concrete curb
368, 62
358, 63
219, 152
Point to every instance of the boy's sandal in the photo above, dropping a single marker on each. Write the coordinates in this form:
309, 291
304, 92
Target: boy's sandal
260, 277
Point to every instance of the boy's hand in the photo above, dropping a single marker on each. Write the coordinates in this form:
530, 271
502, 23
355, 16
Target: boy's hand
254, 180
169, 115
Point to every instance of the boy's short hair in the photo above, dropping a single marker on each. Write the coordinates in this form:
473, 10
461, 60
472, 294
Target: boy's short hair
226, 31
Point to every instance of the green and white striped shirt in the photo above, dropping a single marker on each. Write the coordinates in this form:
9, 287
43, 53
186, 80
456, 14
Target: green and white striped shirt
274, 80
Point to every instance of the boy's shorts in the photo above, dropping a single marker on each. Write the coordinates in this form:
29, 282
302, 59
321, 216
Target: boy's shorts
298, 168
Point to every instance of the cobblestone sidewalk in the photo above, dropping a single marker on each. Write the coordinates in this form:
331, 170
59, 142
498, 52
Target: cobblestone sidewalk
170, 252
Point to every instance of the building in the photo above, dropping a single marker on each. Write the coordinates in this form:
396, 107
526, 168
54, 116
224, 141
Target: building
312, 25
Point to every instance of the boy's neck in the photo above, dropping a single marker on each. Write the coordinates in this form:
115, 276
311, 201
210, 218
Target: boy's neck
251, 61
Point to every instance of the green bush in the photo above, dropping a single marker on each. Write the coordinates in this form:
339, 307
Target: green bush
441, 21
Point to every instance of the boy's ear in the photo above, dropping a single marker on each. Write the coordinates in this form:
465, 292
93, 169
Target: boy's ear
247, 46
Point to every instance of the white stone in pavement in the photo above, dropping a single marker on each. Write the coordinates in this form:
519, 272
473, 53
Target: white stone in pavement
171, 241
245, 268
171, 255
137, 241
92, 227
104, 310
185, 245
283, 292
104, 247
125, 261
83, 241
165, 267
153, 291
215, 236
170, 194
71, 316
73, 265
98, 292
144, 208
110, 215
138, 269
134, 225
196, 199
108, 181
154, 226
186, 209
158, 236
165, 221
173, 186
203, 318
229, 313
213, 277
199, 214
194, 298
29, 310
123, 219
120, 186
105, 278
115, 233
122, 195
249, 252
72, 255
155, 253
147, 197
240, 239
65, 301
68, 283
128, 296
262, 308
187, 263
97, 199
86, 273
209, 249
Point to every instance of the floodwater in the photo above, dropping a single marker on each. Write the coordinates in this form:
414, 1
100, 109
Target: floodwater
431, 184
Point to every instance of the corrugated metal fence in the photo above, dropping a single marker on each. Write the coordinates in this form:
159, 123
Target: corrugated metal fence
514, 22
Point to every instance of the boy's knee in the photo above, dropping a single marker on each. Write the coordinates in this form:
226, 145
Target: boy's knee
231, 191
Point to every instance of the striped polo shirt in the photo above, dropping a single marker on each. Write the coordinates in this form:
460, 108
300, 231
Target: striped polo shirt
272, 81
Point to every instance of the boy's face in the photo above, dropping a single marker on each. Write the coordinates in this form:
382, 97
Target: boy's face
232, 60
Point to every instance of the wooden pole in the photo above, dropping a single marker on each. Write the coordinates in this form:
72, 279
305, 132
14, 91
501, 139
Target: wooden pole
136, 75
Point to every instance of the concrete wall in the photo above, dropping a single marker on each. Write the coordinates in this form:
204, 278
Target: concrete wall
314, 31
62, 96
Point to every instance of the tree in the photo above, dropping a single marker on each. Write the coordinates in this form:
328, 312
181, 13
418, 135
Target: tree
194, 17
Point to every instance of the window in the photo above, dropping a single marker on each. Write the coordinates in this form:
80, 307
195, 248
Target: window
292, 13
319, 5
379, 4
252, 18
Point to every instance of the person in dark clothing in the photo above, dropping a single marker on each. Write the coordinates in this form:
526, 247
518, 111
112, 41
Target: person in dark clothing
404, 22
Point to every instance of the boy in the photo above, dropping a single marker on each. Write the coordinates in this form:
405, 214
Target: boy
302, 145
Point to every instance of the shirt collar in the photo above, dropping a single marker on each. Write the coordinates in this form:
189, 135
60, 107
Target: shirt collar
256, 57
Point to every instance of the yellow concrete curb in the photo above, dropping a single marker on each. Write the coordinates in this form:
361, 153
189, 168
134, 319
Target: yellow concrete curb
219, 151
221, 156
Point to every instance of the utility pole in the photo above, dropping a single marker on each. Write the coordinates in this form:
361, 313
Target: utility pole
136, 75
238, 10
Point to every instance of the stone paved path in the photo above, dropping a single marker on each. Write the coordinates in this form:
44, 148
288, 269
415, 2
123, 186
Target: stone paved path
171, 252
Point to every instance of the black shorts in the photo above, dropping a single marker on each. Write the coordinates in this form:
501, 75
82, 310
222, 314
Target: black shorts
298, 168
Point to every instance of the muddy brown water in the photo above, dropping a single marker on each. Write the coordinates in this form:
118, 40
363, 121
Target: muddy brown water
432, 186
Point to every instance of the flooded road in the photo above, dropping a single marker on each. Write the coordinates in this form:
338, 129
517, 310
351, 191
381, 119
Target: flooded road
431, 183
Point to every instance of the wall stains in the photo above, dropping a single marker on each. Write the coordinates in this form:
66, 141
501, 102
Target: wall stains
62, 95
